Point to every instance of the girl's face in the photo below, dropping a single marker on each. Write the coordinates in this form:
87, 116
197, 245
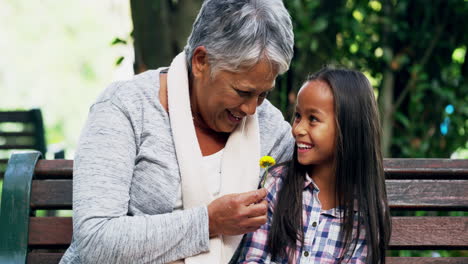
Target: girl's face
314, 124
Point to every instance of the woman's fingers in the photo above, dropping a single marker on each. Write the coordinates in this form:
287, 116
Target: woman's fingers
236, 214
252, 197
257, 209
255, 222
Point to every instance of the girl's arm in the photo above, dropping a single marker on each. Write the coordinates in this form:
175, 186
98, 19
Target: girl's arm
359, 256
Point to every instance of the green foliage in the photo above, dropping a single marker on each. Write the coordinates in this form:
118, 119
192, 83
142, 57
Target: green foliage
427, 253
421, 46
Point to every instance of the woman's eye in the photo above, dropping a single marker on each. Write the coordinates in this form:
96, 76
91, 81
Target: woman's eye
243, 93
264, 95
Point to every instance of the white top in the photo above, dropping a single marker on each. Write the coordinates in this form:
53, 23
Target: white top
212, 164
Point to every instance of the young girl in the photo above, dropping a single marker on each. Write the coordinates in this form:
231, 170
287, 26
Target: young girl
328, 204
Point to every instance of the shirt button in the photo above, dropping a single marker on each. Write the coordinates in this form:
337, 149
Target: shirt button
314, 224
306, 253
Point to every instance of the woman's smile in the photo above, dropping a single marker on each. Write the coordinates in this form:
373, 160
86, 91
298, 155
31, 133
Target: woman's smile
236, 119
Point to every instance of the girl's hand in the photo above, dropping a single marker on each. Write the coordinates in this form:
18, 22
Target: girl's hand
236, 214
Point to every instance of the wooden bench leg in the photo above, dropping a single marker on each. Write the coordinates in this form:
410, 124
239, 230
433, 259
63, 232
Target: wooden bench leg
15, 207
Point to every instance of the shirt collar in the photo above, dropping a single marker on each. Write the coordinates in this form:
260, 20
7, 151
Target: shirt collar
309, 183
334, 212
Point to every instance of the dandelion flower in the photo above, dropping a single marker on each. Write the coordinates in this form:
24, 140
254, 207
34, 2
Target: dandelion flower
267, 161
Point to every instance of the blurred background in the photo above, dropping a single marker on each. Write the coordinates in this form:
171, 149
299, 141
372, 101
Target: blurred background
57, 56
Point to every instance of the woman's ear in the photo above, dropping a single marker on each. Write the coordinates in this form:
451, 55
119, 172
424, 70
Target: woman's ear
200, 65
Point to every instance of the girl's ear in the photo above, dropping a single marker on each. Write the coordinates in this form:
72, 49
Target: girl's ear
200, 65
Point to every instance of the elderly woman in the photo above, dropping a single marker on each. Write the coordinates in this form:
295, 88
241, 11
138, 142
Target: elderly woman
166, 168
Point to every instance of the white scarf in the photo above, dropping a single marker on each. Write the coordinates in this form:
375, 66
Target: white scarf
239, 167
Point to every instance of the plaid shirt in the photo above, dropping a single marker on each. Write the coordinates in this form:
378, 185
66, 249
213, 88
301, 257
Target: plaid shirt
321, 230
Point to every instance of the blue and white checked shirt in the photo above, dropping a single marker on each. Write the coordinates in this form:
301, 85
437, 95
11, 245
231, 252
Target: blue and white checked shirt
321, 230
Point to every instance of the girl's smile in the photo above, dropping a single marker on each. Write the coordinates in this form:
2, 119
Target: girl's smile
303, 147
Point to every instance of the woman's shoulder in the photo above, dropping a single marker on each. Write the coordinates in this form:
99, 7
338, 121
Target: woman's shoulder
275, 132
134, 96
142, 86
268, 114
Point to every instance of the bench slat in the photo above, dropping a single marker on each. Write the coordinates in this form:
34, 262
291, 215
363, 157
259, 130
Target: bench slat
423, 194
54, 169
50, 231
394, 168
51, 194
426, 260
426, 168
17, 134
17, 146
429, 232
428, 194
44, 258
16, 116
408, 232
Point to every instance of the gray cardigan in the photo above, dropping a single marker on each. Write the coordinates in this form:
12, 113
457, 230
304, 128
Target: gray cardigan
126, 179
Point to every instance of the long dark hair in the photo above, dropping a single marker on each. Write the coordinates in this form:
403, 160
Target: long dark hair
359, 173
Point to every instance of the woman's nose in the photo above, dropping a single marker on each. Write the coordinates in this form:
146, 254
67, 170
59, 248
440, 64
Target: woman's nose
250, 106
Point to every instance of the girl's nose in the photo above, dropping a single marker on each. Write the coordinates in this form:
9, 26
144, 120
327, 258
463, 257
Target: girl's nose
299, 130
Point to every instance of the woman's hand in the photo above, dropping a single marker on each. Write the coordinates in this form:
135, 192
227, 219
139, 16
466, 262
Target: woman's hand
236, 214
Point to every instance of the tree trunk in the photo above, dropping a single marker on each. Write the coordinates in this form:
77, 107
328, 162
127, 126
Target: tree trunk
160, 30
386, 110
387, 89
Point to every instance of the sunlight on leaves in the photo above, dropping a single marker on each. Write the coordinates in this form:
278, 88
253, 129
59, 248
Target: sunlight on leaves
378, 52
375, 5
459, 54
358, 15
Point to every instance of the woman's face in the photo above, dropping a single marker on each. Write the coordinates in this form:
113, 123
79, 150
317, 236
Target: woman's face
224, 99
314, 126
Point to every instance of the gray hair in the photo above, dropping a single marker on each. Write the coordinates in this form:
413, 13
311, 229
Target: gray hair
239, 33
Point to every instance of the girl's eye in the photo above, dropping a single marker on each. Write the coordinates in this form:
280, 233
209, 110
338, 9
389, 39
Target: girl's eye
313, 119
297, 116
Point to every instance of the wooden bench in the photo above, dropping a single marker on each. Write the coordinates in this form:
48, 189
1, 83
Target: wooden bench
22, 130
413, 184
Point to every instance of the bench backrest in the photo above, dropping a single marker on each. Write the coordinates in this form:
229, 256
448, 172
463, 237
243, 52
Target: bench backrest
412, 185
20, 130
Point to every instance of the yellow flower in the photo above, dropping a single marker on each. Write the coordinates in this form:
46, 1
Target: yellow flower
267, 161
